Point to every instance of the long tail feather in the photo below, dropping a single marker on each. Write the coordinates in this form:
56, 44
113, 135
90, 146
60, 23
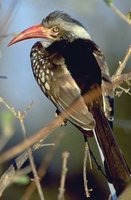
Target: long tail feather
116, 164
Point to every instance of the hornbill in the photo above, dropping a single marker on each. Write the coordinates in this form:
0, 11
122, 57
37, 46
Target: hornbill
67, 65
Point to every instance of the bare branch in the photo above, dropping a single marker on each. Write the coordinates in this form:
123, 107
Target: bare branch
43, 168
65, 156
117, 80
31, 159
7, 178
118, 12
86, 154
20, 116
122, 64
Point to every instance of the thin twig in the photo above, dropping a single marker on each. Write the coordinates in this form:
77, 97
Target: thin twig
123, 63
20, 116
39, 145
86, 154
89, 155
65, 156
126, 90
43, 167
31, 159
10, 108
7, 177
117, 80
14, 111
120, 14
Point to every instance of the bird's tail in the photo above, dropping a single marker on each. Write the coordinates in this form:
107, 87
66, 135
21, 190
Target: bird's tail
118, 170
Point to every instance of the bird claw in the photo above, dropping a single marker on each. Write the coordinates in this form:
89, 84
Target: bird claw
57, 113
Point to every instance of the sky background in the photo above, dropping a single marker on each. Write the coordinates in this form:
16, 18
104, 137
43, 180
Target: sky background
20, 88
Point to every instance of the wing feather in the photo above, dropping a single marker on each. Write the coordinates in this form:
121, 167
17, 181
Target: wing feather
66, 92
107, 88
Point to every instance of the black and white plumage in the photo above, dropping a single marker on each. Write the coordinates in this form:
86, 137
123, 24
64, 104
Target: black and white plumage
68, 65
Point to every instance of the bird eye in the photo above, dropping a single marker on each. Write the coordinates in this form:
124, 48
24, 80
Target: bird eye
56, 29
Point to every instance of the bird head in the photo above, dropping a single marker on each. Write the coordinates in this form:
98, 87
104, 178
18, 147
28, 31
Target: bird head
56, 26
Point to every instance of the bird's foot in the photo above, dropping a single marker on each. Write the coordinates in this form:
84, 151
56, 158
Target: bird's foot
57, 113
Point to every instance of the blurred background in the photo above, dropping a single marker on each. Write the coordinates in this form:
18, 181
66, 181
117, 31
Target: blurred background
20, 89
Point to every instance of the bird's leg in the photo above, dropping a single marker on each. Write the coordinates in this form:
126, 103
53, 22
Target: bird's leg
57, 113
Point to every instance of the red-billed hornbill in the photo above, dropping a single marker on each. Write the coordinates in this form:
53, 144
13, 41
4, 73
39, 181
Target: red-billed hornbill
68, 65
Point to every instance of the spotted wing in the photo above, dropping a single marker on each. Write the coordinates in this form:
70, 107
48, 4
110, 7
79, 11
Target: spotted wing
57, 83
65, 93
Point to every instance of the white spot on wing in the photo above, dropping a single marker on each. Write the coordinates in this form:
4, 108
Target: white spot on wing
41, 70
47, 86
36, 71
47, 71
39, 82
33, 61
43, 79
47, 77
34, 54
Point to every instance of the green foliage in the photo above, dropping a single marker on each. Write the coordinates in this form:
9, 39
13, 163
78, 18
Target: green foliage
7, 124
22, 180
129, 15
6, 117
108, 2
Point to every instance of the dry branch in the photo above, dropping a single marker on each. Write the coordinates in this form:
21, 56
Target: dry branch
65, 156
86, 155
122, 64
43, 168
31, 159
119, 12
21, 116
